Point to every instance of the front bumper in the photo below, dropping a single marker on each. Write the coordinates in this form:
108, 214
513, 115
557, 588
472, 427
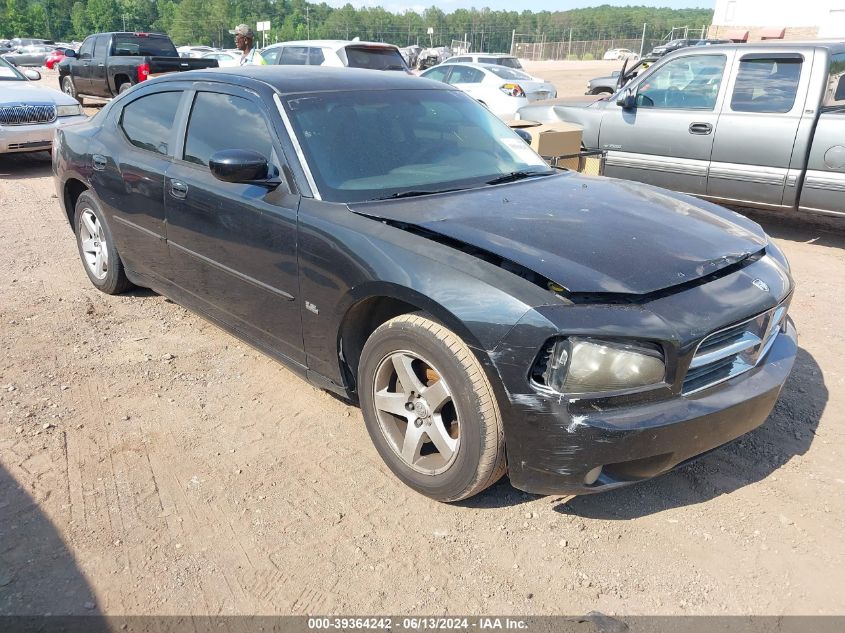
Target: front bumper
32, 138
560, 442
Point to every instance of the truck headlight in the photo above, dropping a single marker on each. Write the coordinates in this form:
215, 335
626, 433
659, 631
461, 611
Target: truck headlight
69, 110
580, 366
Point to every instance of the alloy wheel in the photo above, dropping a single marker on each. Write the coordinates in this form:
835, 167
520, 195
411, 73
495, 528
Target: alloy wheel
93, 244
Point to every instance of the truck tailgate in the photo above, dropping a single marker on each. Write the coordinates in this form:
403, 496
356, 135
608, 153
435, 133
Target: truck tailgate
162, 65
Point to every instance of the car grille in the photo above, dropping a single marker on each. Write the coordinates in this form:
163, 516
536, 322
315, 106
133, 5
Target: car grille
734, 350
27, 114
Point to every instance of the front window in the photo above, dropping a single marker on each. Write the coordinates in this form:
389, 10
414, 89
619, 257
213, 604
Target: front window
9, 72
371, 145
685, 83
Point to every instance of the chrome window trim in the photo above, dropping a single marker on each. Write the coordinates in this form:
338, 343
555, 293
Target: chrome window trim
297, 147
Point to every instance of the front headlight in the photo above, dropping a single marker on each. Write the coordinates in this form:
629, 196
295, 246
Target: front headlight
580, 366
69, 110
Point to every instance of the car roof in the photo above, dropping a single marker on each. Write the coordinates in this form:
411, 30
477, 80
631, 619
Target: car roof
834, 46
305, 79
333, 44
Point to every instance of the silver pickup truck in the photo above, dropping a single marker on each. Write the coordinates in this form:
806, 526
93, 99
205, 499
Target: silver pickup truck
758, 125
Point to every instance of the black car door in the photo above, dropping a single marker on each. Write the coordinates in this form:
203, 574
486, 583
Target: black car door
233, 246
81, 66
128, 176
99, 81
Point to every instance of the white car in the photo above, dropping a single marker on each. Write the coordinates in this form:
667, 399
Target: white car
194, 51
503, 90
30, 113
341, 53
225, 59
620, 54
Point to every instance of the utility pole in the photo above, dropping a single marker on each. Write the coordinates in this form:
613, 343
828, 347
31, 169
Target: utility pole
569, 53
513, 37
642, 41
308, 21
124, 22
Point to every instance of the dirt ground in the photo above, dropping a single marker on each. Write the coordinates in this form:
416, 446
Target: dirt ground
152, 464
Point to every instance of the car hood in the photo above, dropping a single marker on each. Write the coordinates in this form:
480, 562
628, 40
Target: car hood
19, 92
589, 235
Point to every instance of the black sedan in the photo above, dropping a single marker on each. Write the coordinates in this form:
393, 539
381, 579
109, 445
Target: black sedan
392, 241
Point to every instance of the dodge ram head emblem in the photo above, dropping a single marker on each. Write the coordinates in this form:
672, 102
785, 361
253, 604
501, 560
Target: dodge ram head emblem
762, 285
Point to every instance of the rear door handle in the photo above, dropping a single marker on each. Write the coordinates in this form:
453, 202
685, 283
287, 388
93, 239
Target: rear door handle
100, 162
700, 128
178, 189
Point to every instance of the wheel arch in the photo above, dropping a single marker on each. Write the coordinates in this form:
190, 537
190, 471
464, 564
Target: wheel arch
72, 190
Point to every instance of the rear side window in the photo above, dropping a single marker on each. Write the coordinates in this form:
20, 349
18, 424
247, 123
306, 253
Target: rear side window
245, 127
147, 121
438, 73
374, 58
510, 62
835, 94
315, 56
465, 75
294, 56
766, 85
132, 45
271, 55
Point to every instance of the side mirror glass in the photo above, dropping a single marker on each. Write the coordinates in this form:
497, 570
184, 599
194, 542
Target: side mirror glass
32, 75
239, 165
70, 52
627, 100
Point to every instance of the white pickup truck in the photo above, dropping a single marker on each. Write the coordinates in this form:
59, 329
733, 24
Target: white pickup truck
758, 125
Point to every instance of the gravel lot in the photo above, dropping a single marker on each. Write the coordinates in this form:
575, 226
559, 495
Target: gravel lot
151, 463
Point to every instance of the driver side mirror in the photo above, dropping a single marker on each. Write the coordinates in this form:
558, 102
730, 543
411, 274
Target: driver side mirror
242, 166
628, 100
70, 52
32, 75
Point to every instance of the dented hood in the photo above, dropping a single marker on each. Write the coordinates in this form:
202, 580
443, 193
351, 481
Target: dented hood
589, 235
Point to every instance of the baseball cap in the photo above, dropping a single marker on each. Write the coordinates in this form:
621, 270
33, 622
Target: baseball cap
242, 29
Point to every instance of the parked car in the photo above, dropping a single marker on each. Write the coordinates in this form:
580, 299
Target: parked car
711, 42
659, 51
487, 313
194, 52
618, 78
29, 112
55, 57
33, 55
503, 90
621, 53
429, 57
110, 63
352, 54
224, 59
497, 59
410, 54
747, 124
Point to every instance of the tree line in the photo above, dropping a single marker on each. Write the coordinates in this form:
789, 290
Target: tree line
208, 21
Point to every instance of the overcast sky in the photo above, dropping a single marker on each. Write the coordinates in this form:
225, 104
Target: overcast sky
400, 6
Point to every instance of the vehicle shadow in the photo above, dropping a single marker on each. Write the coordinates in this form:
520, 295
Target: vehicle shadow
788, 432
38, 574
25, 165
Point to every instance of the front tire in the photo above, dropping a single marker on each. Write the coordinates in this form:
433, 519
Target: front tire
69, 88
430, 410
100, 258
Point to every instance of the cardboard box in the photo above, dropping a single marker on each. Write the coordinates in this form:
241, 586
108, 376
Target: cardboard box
553, 139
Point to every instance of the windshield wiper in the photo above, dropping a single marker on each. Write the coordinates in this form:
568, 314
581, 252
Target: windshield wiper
411, 193
519, 175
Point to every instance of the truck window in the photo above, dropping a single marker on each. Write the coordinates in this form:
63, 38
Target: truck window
147, 121
245, 127
87, 48
835, 94
685, 83
766, 85
130, 45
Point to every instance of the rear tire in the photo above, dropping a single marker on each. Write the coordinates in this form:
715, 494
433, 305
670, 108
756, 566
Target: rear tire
441, 433
95, 243
69, 88
124, 87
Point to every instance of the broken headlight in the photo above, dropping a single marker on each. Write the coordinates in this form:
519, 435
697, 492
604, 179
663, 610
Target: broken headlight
580, 366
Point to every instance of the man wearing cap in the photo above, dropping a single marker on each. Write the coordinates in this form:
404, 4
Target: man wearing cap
244, 38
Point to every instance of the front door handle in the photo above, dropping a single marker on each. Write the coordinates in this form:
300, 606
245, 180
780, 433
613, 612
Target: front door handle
178, 189
100, 162
700, 128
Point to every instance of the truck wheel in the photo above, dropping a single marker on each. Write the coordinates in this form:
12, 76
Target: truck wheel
430, 410
69, 88
601, 91
124, 87
96, 248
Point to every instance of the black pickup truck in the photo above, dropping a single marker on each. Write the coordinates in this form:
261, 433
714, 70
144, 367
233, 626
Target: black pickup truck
110, 63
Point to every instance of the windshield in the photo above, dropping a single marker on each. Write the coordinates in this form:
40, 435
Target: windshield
136, 45
374, 58
9, 72
368, 145
508, 73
